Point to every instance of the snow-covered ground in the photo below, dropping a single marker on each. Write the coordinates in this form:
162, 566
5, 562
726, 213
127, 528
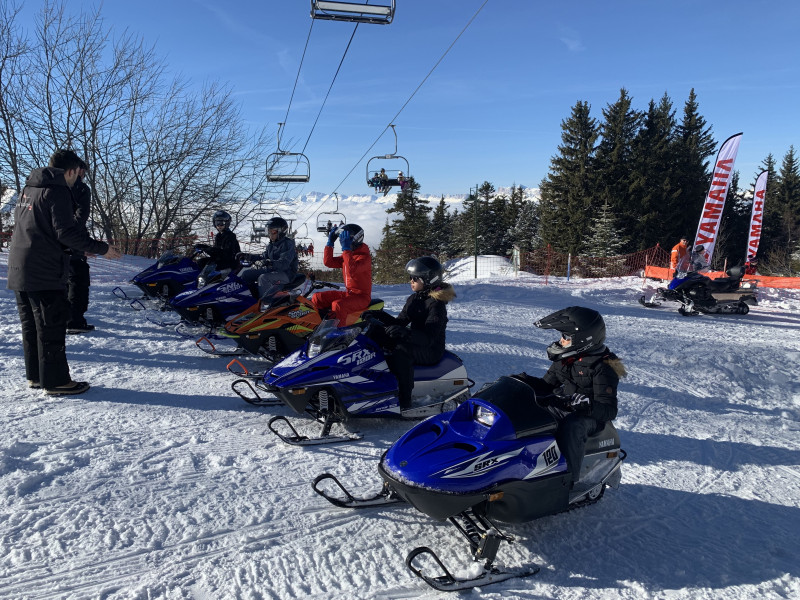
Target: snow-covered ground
161, 483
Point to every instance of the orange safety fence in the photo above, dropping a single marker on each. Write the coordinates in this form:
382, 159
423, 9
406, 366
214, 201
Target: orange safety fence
791, 283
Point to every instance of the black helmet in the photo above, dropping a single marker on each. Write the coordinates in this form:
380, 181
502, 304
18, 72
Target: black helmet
355, 231
221, 218
426, 268
583, 326
280, 224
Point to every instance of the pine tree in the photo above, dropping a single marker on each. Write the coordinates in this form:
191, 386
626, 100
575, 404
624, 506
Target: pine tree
694, 145
734, 226
787, 201
441, 231
605, 239
653, 172
567, 188
407, 236
614, 160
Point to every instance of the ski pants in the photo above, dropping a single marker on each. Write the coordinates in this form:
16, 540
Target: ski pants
43, 316
573, 431
401, 363
78, 291
344, 306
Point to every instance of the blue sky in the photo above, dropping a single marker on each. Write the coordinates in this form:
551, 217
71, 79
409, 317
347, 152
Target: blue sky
493, 107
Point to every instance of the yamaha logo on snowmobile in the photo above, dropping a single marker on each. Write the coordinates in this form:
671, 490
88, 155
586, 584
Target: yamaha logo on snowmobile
300, 312
230, 287
608, 442
357, 358
186, 269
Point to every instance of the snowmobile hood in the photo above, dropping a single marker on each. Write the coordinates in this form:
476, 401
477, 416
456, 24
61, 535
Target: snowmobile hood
499, 435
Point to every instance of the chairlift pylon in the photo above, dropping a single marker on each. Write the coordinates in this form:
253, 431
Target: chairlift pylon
353, 12
287, 167
392, 175
326, 220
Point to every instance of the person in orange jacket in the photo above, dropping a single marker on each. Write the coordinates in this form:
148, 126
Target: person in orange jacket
679, 256
356, 265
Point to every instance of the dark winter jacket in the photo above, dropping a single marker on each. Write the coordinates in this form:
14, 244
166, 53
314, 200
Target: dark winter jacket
44, 229
82, 203
426, 313
225, 249
356, 266
594, 375
283, 257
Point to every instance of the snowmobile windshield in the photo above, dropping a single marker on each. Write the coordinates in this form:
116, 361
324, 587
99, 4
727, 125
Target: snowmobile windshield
274, 299
209, 275
329, 337
270, 294
517, 401
170, 257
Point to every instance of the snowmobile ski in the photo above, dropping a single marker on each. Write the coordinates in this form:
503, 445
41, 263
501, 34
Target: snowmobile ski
251, 396
206, 345
237, 368
296, 439
446, 582
384, 497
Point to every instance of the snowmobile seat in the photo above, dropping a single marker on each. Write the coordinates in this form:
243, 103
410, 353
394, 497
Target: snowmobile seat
518, 401
449, 363
296, 282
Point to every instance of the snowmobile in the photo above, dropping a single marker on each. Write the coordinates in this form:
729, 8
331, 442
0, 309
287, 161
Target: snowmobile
218, 296
494, 458
697, 293
273, 328
171, 274
341, 373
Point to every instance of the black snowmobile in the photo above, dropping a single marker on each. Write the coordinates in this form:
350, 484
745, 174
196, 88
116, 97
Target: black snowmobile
494, 457
697, 293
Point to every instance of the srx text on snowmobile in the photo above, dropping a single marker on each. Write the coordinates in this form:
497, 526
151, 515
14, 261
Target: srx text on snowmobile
494, 458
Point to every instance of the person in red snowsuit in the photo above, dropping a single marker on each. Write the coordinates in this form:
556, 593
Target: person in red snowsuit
356, 265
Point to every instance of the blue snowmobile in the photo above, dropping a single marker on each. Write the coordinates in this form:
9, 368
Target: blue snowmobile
219, 295
171, 274
494, 458
697, 293
341, 373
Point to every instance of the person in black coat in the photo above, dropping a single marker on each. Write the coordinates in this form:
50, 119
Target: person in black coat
225, 247
79, 278
38, 267
580, 387
417, 335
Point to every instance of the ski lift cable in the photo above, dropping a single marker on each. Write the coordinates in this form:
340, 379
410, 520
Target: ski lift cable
341, 62
367, 151
299, 68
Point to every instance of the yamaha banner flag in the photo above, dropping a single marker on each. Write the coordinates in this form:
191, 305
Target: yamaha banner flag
715, 199
757, 217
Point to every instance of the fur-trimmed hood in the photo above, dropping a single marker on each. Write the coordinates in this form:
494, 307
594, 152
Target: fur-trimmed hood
444, 293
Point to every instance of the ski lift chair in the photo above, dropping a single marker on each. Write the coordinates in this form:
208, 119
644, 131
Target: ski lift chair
353, 12
333, 217
287, 167
376, 163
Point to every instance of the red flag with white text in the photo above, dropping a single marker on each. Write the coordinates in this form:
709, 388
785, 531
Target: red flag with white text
757, 216
711, 216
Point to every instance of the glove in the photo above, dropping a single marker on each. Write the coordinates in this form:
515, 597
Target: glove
396, 332
202, 247
578, 403
262, 263
345, 240
242, 257
332, 236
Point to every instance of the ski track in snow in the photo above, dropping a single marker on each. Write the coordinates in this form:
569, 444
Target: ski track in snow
161, 483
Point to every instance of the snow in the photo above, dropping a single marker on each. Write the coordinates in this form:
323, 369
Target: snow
161, 483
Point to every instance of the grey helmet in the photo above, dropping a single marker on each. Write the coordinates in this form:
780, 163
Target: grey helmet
280, 224
221, 218
426, 268
583, 326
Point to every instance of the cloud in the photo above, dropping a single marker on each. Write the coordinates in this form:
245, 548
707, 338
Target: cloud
571, 39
